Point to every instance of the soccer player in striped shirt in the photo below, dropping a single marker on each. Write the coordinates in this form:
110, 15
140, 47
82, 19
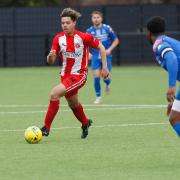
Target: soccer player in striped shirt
109, 39
72, 47
167, 52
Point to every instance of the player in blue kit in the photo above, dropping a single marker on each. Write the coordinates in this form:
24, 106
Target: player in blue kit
167, 52
109, 39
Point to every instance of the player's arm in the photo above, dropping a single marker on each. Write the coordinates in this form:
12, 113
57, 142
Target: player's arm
93, 42
172, 68
51, 57
89, 55
102, 51
113, 46
115, 41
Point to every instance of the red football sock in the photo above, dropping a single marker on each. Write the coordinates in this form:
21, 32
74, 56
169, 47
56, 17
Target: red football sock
80, 115
51, 113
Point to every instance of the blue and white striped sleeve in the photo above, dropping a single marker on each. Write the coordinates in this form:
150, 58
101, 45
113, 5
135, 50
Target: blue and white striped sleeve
163, 48
171, 63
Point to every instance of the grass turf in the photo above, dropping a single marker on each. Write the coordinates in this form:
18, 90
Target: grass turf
122, 144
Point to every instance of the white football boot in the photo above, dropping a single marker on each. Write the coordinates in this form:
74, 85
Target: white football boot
98, 100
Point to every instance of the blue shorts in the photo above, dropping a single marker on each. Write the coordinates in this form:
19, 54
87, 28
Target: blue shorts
97, 63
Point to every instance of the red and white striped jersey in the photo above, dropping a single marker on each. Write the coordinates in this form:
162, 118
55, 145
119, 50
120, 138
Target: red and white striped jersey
73, 51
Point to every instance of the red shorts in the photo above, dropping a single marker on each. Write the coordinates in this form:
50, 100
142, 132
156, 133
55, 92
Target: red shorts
73, 83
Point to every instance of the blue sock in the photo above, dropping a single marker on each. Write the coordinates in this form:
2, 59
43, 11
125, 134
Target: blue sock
107, 81
97, 86
177, 128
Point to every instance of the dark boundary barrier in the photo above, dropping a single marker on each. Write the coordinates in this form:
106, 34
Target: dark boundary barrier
26, 33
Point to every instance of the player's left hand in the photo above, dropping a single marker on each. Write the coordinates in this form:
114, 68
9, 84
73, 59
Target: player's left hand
105, 73
108, 51
170, 95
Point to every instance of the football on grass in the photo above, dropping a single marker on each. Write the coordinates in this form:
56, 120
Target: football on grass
33, 135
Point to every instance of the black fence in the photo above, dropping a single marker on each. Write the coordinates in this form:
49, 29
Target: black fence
26, 33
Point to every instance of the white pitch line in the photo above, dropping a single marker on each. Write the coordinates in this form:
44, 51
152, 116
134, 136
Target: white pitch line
86, 109
85, 105
21, 112
98, 126
21, 106
117, 125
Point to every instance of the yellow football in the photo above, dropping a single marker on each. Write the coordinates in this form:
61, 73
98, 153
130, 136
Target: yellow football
33, 135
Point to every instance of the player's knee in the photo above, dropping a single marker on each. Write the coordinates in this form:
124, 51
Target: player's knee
97, 73
53, 95
97, 76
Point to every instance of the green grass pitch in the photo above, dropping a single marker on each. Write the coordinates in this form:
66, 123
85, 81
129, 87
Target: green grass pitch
130, 139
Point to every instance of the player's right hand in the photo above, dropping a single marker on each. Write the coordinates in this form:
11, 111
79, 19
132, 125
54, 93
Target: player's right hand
51, 57
170, 95
52, 53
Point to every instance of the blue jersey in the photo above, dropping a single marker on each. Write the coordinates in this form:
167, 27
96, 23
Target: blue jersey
106, 36
167, 52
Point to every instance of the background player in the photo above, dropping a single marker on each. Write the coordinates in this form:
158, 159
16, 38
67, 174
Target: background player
167, 52
109, 39
72, 47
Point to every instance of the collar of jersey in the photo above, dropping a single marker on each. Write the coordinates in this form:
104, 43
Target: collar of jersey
160, 37
98, 27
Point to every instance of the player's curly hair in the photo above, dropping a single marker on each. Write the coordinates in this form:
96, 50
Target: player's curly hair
156, 25
69, 12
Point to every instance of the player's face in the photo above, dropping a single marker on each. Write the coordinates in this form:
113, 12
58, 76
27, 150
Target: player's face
96, 19
68, 25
